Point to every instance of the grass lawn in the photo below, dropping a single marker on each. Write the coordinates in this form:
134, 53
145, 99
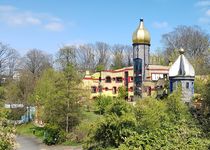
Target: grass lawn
29, 129
78, 134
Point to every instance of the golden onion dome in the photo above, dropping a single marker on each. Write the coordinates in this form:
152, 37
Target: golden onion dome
141, 35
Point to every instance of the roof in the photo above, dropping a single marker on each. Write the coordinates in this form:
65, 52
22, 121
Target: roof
141, 35
181, 67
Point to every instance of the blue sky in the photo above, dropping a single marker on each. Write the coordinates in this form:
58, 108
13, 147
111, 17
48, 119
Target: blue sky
49, 24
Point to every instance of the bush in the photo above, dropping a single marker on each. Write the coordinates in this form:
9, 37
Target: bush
102, 103
53, 135
165, 124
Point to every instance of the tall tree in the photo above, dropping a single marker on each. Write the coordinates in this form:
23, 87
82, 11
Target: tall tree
8, 59
59, 93
118, 56
35, 61
102, 55
128, 50
195, 42
66, 56
86, 57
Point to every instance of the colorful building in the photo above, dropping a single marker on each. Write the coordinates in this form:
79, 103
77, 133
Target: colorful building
108, 82
139, 80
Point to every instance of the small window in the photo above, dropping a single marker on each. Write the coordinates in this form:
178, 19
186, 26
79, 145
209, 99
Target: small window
131, 89
131, 78
108, 79
119, 79
106, 88
93, 89
149, 90
114, 90
187, 85
99, 89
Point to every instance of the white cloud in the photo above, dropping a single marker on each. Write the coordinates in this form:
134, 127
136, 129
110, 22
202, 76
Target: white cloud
4, 8
160, 25
54, 26
204, 20
208, 12
203, 3
204, 10
12, 16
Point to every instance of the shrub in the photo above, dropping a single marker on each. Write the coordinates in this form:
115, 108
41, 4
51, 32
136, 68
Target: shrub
102, 103
53, 135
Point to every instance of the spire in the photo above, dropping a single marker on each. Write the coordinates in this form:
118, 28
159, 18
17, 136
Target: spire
141, 35
181, 67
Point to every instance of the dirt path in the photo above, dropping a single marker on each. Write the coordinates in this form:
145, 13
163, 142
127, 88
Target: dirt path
31, 143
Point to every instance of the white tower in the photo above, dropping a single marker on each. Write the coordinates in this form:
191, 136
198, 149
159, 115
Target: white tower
183, 73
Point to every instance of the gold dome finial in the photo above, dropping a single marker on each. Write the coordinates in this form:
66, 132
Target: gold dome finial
141, 35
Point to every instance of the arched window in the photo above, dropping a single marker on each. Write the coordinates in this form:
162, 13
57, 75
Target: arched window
114, 90
131, 89
108, 79
93, 89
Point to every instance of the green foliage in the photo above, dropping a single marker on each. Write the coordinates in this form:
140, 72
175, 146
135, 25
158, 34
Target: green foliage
117, 124
53, 135
175, 108
100, 67
151, 124
119, 107
102, 102
199, 86
6, 132
147, 116
59, 94
122, 92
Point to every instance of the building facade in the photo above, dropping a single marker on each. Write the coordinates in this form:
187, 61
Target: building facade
140, 80
108, 82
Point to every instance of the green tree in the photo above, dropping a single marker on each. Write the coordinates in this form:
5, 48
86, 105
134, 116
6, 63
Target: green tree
150, 124
59, 93
123, 93
7, 138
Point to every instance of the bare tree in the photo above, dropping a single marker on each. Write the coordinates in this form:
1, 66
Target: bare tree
86, 57
35, 61
194, 40
102, 55
13, 62
8, 59
118, 56
128, 52
67, 56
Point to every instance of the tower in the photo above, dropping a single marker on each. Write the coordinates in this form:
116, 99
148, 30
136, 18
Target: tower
183, 73
141, 47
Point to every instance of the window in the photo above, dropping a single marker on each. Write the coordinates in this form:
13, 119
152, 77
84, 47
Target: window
114, 90
149, 89
106, 88
155, 77
187, 85
100, 89
93, 89
108, 79
118, 79
131, 89
131, 78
